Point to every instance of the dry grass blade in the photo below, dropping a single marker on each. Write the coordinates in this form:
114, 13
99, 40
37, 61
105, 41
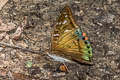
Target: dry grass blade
2, 3
18, 47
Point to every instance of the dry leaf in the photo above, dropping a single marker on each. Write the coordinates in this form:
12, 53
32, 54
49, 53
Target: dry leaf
7, 27
2, 3
3, 72
17, 33
2, 35
19, 76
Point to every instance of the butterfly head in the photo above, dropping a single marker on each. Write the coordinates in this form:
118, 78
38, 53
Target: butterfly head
84, 44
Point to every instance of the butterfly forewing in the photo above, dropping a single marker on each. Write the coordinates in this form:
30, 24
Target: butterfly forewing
66, 38
63, 35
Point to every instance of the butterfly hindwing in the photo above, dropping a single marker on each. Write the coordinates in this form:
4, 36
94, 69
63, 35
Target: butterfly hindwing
69, 41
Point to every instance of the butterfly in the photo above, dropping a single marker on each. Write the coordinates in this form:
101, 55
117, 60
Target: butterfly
68, 40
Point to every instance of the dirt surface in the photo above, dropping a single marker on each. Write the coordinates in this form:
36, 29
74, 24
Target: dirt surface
99, 18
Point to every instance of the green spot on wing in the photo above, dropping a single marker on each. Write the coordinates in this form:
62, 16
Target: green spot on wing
86, 58
87, 53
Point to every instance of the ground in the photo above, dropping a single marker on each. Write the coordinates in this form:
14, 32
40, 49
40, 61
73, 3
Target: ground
100, 19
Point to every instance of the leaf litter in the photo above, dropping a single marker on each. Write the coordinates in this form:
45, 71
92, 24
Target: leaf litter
19, 31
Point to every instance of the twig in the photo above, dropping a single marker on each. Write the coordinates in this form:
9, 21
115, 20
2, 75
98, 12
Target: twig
66, 67
18, 47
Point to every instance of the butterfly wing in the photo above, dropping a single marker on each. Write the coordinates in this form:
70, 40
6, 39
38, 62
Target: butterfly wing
68, 41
